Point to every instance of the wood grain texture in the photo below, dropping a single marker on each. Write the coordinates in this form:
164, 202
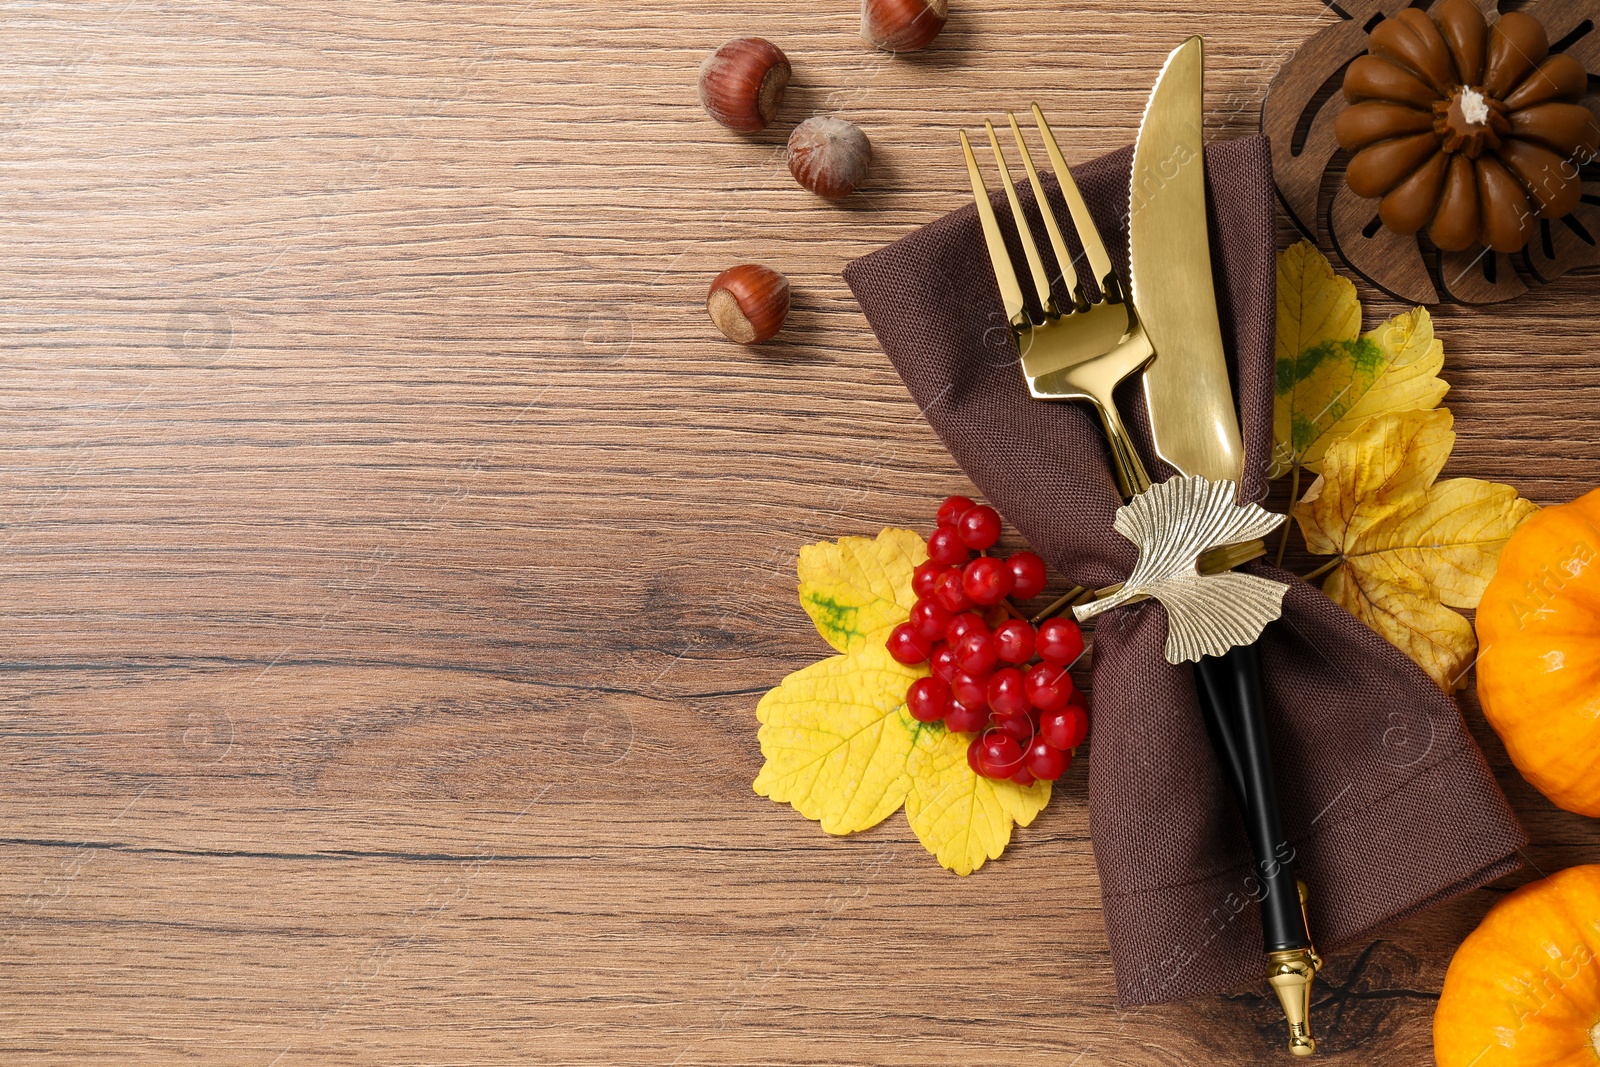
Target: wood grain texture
393, 555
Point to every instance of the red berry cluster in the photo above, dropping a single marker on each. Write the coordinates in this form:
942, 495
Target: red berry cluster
994, 676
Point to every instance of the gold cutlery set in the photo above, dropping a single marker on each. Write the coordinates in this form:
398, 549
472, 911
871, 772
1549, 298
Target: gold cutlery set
1190, 530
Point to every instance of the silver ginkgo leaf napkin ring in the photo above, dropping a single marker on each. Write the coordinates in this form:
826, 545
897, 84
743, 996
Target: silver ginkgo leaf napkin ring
1172, 524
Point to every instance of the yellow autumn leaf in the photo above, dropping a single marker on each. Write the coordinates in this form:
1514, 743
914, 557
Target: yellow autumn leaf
1406, 545
857, 589
840, 746
836, 736
1438, 639
963, 818
1315, 305
1329, 380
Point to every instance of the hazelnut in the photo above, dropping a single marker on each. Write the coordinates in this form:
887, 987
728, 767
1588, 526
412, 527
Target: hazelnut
742, 83
748, 302
902, 25
829, 156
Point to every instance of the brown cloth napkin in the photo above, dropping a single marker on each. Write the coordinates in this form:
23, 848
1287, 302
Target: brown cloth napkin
1386, 799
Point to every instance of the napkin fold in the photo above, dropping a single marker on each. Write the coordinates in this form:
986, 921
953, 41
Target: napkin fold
1386, 799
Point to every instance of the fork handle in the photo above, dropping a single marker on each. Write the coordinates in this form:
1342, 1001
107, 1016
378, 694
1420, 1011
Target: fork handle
1125, 462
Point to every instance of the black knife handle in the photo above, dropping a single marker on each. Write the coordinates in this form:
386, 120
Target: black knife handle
1223, 733
1231, 684
1211, 689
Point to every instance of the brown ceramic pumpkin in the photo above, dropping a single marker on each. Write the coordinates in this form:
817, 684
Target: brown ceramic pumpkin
1471, 131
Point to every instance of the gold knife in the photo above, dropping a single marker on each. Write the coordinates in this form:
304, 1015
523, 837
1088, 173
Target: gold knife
1196, 430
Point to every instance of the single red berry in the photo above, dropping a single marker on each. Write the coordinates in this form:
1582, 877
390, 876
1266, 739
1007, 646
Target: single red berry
1065, 728
928, 699
981, 765
1078, 699
1022, 776
1046, 761
1028, 576
968, 622
925, 574
945, 546
973, 755
953, 508
975, 652
971, 690
1000, 754
949, 591
929, 618
907, 646
1013, 641
943, 662
966, 718
980, 527
1006, 694
986, 580
1017, 726
1060, 642
1048, 687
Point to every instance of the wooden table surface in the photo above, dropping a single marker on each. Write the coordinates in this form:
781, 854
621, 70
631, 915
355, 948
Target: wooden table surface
393, 555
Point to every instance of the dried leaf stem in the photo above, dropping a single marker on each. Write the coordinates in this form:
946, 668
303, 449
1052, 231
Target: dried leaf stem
1324, 569
1294, 498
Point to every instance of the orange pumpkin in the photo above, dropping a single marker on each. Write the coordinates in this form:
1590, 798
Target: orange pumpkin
1539, 659
1524, 988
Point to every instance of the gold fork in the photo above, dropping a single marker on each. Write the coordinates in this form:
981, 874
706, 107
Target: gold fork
1086, 351
1083, 353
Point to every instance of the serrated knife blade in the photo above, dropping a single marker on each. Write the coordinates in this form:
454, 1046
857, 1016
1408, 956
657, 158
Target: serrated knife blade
1192, 417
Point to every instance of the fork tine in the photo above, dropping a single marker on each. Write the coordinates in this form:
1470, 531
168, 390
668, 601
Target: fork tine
999, 258
1088, 233
1041, 282
1069, 270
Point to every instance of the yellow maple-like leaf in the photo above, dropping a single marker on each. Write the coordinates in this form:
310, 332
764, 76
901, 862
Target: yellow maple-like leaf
1406, 545
1315, 305
836, 736
963, 818
840, 746
1438, 639
857, 589
1329, 380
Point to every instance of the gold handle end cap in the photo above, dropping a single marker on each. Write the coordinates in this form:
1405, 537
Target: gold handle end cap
1291, 973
